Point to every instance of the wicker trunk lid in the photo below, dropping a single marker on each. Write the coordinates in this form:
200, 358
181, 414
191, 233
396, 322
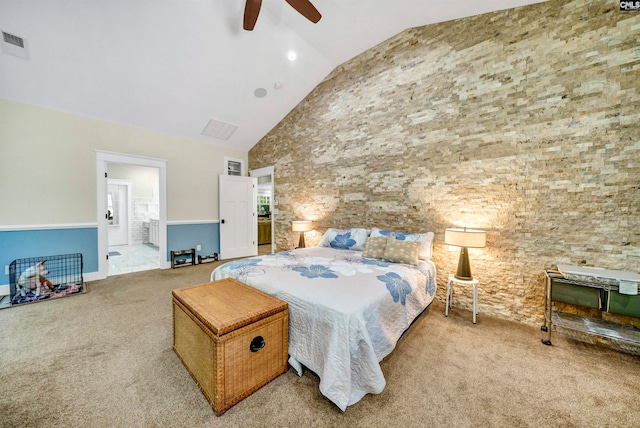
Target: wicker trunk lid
231, 338
227, 305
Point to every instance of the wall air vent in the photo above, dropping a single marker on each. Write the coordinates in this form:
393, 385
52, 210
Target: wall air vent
234, 166
14, 45
218, 129
14, 40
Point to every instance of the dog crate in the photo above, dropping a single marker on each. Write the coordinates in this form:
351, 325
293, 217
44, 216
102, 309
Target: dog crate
38, 278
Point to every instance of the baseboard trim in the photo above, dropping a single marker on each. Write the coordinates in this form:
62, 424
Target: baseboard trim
92, 276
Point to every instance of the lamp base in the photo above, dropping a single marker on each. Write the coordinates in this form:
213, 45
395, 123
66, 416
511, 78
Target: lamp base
301, 241
464, 268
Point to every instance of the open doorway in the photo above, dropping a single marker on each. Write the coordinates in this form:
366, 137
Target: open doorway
118, 211
132, 222
265, 207
108, 162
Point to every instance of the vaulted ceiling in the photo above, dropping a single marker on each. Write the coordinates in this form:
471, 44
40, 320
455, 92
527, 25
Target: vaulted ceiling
173, 65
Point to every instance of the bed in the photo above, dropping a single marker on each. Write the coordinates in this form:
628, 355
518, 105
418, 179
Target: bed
346, 311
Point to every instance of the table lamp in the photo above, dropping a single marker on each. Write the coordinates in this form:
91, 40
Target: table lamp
464, 238
301, 226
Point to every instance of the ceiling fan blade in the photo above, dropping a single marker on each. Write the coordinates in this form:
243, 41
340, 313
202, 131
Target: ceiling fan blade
306, 9
251, 11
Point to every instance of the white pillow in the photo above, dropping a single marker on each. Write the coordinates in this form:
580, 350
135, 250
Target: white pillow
345, 239
425, 240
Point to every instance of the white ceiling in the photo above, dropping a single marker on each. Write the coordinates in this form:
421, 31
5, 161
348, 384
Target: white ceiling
172, 65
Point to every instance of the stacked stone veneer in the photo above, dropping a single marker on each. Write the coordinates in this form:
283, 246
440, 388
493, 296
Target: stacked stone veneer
522, 122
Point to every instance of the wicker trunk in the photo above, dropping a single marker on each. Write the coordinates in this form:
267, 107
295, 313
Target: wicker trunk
231, 337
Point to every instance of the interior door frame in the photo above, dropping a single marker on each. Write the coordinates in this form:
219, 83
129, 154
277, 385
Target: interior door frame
127, 184
262, 172
102, 159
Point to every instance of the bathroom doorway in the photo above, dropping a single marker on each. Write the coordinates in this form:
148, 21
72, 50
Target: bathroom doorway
118, 211
133, 206
140, 253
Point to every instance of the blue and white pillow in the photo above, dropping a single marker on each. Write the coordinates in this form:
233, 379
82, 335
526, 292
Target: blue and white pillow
425, 240
345, 239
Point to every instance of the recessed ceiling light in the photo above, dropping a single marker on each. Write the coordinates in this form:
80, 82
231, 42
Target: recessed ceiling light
260, 92
292, 56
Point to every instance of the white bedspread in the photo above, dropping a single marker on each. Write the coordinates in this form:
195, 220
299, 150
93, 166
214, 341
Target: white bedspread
346, 313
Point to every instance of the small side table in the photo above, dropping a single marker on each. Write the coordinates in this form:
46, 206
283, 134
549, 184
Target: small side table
473, 283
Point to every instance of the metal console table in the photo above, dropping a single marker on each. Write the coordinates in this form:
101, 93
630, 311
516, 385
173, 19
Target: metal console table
588, 294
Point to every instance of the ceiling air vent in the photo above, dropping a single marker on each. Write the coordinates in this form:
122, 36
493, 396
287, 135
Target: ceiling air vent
14, 45
218, 129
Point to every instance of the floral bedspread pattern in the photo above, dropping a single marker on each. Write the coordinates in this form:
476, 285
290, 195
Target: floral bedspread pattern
346, 313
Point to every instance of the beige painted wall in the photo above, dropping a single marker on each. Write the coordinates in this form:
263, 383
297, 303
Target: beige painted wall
144, 180
525, 123
48, 166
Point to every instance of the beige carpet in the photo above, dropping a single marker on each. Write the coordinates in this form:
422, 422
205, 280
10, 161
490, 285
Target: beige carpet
104, 359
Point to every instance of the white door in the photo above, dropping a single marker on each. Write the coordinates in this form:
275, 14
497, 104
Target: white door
238, 224
117, 214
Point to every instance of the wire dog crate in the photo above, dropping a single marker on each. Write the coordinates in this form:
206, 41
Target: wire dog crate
38, 278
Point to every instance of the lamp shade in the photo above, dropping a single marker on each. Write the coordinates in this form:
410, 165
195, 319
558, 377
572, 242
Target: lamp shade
469, 238
301, 225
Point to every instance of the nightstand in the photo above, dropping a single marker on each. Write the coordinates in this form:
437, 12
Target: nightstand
473, 283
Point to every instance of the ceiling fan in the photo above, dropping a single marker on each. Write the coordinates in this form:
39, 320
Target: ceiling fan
304, 7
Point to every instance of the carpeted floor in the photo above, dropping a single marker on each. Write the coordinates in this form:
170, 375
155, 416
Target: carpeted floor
104, 359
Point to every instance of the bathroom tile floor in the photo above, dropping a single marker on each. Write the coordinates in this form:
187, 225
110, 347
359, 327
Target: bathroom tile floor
133, 258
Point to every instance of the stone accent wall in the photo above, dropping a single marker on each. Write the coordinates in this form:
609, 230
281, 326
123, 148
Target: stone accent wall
522, 122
